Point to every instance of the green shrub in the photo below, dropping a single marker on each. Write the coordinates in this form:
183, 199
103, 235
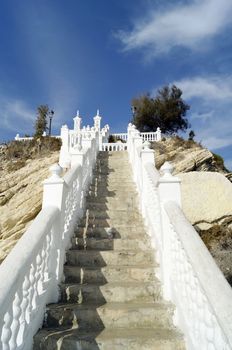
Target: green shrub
219, 161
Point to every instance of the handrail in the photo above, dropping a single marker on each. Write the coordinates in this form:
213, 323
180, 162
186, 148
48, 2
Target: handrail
27, 281
32, 271
207, 279
189, 275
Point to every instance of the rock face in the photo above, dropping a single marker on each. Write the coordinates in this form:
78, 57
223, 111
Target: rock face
206, 198
207, 203
20, 199
186, 156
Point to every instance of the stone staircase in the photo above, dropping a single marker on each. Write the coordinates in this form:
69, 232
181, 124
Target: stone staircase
110, 298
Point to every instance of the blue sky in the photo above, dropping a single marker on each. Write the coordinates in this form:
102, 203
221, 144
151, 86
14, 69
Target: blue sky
90, 54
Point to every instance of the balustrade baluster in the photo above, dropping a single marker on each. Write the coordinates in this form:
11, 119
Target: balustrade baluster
16, 318
6, 330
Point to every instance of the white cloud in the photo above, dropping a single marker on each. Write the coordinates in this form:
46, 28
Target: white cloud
216, 142
202, 116
186, 25
210, 88
15, 115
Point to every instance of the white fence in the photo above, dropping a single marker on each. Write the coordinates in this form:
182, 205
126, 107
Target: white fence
115, 147
146, 136
190, 276
32, 271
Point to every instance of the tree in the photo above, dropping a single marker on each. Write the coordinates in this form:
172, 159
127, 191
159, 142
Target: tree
191, 135
41, 120
167, 111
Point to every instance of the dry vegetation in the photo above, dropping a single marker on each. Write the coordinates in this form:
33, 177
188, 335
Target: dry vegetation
14, 154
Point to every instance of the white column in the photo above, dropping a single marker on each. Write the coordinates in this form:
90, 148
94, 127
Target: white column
169, 190
77, 156
169, 185
147, 156
53, 188
64, 159
97, 121
77, 122
158, 134
53, 195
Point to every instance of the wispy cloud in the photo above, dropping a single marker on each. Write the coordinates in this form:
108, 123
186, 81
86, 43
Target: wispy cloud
15, 116
210, 88
210, 99
186, 25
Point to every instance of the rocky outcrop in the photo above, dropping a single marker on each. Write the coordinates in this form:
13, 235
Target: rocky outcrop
206, 198
21, 198
186, 156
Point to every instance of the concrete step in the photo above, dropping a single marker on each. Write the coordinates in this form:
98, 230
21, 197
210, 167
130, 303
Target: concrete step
102, 258
110, 244
113, 339
122, 292
112, 214
111, 221
112, 198
110, 273
118, 231
121, 193
110, 315
112, 187
113, 206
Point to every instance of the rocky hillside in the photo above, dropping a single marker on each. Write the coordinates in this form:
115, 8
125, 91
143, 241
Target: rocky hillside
23, 168
206, 195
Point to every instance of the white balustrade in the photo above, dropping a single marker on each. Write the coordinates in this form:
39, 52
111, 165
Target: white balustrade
120, 136
189, 275
114, 147
32, 271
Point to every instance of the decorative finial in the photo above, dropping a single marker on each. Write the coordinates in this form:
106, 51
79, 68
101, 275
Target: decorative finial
167, 170
98, 112
146, 145
55, 171
78, 113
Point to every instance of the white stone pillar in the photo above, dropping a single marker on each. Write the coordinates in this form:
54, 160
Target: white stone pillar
64, 158
77, 156
97, 121
147, 154
158, 134
53, 188
169, 185
77, 122
97, 126
169, 190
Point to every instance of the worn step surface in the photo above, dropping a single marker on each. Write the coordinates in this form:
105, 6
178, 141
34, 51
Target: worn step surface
108, 339
111, 292
110, 297
110, 273
110, 315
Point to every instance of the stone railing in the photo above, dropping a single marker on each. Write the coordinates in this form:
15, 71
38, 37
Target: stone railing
115, 147
146, 136
32, 271
190, 276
